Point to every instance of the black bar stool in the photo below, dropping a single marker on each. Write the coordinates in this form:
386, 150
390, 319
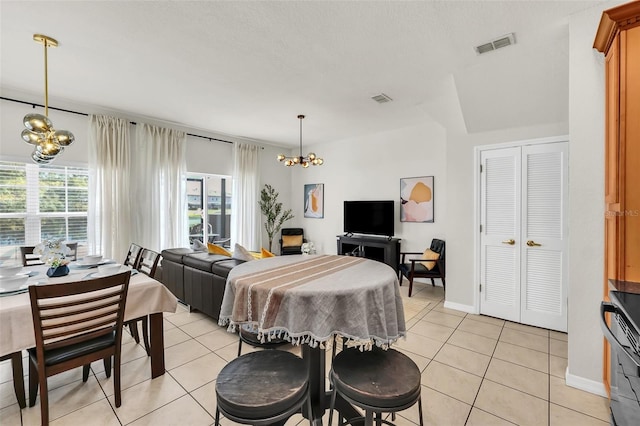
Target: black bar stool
262, 387
379, 381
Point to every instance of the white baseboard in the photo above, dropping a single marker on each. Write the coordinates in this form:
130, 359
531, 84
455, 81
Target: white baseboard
587, 385
460, 307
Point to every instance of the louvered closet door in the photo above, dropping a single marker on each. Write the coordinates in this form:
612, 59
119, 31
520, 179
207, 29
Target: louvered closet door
500, 217
544, 236
523, 239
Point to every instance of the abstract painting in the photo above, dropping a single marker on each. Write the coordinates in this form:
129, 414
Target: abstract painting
416, 199
314, 200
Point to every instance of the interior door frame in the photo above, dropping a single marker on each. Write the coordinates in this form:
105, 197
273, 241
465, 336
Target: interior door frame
477, 181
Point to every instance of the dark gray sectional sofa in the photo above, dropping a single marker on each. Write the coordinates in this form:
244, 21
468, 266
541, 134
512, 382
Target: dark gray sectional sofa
197, 278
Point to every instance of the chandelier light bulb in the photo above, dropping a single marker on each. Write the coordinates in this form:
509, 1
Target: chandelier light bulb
281, 157
32, 137
311, 156
64, 137
38, 123
49, 149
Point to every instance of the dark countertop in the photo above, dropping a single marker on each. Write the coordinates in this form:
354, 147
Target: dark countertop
625, 286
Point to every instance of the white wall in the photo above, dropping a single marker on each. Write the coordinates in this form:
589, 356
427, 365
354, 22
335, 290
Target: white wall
586, 213
370, 168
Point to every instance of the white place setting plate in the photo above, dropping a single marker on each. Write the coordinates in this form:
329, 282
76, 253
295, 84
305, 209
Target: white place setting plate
82, 265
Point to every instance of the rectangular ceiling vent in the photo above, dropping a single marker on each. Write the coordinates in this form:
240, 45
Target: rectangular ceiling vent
504, 41
381, 98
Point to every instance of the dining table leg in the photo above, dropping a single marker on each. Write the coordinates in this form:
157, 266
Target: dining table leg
156, 326
320, 397
317, 372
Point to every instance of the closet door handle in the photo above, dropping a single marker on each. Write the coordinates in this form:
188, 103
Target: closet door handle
510, 242
532, 243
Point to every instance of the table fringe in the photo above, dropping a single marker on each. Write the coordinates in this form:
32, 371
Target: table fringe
313, 341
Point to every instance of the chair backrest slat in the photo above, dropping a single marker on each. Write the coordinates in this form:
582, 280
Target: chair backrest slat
68, 304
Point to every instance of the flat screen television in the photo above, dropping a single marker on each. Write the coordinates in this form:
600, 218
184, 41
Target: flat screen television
369, 217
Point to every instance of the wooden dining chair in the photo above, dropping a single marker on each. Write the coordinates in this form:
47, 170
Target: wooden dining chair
28, 258
75, 324
147, 264
133, 256
73, 247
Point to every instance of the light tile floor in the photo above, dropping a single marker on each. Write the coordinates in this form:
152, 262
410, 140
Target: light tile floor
476, 370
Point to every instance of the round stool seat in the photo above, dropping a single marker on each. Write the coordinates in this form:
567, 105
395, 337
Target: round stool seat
252, 339
377, 378
261, 384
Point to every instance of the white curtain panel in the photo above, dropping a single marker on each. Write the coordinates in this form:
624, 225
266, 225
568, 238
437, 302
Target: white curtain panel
245, 219
109, 221
158, 198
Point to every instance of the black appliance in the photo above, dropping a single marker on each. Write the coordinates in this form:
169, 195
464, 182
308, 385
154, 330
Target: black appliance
369, 217
623, 336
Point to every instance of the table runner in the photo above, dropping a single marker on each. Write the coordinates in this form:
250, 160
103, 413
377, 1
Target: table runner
308, 299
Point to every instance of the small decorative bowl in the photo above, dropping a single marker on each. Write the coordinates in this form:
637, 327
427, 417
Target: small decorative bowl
92, 259
14, 282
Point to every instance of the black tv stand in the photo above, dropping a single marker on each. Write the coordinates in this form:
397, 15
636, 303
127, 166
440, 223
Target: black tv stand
382, 249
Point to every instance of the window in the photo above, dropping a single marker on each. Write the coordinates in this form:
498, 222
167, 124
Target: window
41, 202
218, 207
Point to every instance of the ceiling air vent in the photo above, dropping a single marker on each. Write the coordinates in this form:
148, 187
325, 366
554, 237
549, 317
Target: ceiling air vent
504, 41
381, 98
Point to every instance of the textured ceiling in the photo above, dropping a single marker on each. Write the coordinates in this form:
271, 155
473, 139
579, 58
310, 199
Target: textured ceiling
249, 68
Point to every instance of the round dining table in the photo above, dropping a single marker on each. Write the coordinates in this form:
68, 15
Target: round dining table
309, 299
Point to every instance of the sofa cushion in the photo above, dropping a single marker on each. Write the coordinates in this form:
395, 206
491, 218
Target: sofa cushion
222, 267
202, 261
264, 253
216, 249
242, 253
176, 254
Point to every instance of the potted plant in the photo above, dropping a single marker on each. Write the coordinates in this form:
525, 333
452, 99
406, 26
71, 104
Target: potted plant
54, 253
272, 209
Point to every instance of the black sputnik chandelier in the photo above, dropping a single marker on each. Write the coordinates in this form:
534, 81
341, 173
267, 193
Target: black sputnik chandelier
310, 159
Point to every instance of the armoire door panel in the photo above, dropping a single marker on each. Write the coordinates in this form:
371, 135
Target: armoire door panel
632, 155
612, 125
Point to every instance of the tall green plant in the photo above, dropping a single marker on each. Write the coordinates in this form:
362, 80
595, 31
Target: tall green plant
272, 209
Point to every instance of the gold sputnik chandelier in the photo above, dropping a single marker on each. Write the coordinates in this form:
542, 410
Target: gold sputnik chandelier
311, 158
39, 129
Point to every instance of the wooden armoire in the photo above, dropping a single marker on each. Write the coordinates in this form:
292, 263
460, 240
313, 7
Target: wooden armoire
618, 37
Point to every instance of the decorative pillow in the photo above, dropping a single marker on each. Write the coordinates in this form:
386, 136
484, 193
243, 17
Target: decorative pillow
242, 253
430, 255
199, 246
216, 249
291, 240
264, 253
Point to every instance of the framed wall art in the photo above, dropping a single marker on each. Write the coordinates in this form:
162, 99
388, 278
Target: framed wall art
314, 200
416, 199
